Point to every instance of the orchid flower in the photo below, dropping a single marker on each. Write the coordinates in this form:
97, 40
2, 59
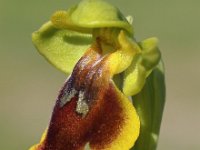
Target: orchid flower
113, 97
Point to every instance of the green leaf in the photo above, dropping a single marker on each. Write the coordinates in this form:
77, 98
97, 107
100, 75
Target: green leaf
61, 47
90, 14
149, 104
142, 65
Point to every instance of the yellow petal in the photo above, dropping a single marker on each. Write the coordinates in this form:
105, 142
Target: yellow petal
142, 65
122, 58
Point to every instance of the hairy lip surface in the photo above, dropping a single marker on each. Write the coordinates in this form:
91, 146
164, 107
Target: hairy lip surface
69, 129
90, 109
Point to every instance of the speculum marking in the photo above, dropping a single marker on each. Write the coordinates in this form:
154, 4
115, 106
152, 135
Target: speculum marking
82, 106
67, 96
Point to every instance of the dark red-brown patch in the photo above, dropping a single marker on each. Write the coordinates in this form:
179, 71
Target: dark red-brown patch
69, 130
109, 121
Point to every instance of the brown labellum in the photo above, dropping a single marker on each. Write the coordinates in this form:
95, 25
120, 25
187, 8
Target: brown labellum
86, 109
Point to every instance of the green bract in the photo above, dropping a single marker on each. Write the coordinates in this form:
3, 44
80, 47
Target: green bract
149, 104
141, 66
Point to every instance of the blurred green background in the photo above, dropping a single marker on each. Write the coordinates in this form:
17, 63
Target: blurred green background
29, 85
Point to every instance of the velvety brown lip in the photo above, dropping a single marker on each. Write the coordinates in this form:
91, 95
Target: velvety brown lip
70, 130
